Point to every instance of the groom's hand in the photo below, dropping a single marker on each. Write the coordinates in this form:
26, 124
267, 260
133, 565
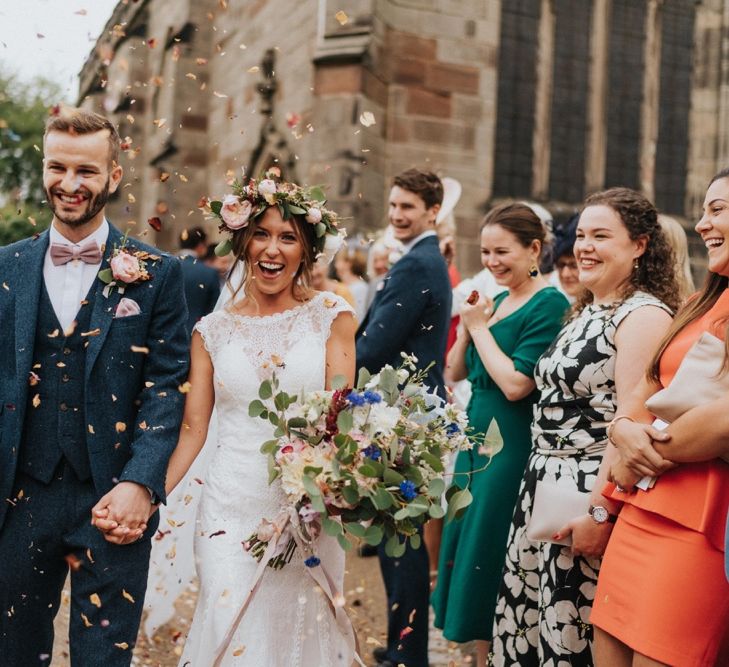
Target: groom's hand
122, 514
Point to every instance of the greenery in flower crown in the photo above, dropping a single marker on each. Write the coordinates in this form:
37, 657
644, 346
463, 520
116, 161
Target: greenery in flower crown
249, 201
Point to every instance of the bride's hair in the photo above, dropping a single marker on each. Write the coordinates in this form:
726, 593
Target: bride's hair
302, 280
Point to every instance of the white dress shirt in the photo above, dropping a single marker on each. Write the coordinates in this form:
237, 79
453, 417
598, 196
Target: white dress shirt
68, 284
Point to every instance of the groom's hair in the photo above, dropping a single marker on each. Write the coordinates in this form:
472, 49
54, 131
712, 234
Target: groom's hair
72, 120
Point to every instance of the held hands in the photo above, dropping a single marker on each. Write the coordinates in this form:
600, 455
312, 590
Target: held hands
623, 476
122, 514
634, 442
589, 538
475, 314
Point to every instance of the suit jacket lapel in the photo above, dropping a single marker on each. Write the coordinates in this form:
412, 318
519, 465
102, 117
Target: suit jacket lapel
104, 306
28, 286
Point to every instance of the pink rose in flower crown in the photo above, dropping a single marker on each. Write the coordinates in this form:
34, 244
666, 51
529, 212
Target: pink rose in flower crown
267, 188
125, 268
235, 213
313, 215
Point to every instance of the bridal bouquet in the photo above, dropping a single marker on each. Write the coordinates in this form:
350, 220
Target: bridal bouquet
366, 462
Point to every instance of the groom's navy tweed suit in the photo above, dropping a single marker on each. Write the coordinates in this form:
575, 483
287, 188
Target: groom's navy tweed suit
101, 413
411, 313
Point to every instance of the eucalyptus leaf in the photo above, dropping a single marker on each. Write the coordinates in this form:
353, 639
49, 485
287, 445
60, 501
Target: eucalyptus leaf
458, 503
106, 276
296, 422
344, 542
311, 487
317, 194
363, 377
382, 499
345, 421
355, 529
224, 248
436, 487
366, 470
415, 541
339, 382
256, 408
392, 477
216, 206
320, 229
297, 209
373, 535
265, 391
331, 527
351, 494
436, 511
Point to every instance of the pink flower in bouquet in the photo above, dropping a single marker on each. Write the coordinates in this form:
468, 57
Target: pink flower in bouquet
125, 268
235, 213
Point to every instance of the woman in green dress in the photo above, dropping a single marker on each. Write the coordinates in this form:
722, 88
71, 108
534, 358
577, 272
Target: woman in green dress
498, 345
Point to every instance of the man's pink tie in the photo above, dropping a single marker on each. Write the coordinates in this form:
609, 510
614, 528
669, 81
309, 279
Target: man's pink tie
87, 252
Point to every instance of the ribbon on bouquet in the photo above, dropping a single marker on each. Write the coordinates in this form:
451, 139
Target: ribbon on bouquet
287, 522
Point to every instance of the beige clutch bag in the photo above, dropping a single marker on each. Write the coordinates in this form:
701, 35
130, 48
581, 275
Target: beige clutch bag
698, 381
553, 507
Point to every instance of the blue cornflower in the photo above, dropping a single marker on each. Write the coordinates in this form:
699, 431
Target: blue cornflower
312, 561
407, 488
355, 399
372, 396
372, 452
452, 429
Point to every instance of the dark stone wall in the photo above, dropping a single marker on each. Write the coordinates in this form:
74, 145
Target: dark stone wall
625, 93
513, 153
569, 99
674, 105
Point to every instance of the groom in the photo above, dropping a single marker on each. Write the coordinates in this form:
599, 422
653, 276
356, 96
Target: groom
89, 408
410, 313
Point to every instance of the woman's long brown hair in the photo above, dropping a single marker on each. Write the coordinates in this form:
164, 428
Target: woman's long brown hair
699, 305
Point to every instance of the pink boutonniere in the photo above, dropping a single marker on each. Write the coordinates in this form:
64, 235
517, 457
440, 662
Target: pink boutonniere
126, 267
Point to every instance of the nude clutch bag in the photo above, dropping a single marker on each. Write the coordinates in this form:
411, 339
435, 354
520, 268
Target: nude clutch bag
698, 380
553, 507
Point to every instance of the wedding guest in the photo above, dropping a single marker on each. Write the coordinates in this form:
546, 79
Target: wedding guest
676, 236
383, 253
666, 601
498, 344
321, 281
350, 267
409, 314
90, 407
565, 264
542, 614
201, 283
220, 264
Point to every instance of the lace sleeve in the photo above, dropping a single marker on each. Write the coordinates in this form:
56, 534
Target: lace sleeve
214, 330
328, 307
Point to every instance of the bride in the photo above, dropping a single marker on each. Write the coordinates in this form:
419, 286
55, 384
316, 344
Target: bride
279, 324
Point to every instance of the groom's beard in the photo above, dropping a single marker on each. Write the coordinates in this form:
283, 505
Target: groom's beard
93, 206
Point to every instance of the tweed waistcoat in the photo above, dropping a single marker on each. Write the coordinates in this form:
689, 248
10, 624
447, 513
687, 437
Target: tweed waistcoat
55, 424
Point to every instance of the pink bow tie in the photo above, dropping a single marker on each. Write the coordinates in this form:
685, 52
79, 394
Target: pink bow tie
88, 252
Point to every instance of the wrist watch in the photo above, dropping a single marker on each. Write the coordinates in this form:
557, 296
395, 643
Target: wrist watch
600, 514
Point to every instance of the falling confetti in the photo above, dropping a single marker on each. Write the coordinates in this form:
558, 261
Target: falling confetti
367, 118
341, 17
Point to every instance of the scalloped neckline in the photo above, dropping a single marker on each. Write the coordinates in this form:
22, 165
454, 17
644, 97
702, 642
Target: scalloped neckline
282, 314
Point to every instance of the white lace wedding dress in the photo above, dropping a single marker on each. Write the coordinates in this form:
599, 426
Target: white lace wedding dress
288, 622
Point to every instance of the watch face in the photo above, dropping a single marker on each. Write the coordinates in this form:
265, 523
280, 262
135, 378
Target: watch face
600, 514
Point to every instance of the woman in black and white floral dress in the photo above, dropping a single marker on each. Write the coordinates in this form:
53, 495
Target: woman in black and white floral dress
543, 610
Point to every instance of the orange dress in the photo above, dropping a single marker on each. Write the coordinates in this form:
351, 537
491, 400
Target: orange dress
662, 589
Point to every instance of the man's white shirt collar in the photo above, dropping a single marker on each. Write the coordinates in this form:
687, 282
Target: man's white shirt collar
407, 247
100, 235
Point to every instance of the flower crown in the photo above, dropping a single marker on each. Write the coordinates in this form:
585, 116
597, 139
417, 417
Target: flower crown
250, 200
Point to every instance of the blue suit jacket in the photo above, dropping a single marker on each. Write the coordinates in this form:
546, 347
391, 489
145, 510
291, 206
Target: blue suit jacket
411, 313
134, 388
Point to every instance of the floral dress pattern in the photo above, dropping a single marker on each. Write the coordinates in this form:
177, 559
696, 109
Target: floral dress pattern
543, 608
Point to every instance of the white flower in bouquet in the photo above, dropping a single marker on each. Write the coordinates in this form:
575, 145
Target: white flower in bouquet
383, 418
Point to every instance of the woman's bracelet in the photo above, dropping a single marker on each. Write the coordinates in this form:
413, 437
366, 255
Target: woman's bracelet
611, 425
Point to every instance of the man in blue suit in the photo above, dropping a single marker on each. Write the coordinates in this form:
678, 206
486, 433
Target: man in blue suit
410, 313
90, 408
202, 283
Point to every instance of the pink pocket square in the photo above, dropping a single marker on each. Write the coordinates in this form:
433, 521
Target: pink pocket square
126, 308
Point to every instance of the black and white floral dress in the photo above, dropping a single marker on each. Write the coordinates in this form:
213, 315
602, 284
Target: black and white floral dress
546, 595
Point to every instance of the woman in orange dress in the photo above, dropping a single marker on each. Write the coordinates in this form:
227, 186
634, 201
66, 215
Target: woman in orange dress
662, 598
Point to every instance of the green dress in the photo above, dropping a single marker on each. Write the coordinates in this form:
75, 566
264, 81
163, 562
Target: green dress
473, 549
